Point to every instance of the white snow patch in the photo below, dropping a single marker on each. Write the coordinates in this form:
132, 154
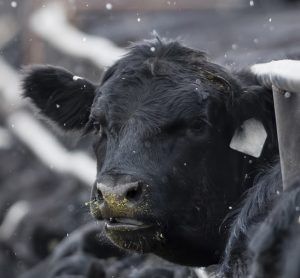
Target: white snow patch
283, 74
48, 149
201, 273
51, 24
5, 139
75, 77
12, 219
10, 90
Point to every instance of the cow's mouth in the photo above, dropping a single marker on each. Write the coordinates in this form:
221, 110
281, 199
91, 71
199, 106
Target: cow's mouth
124, 224
133, 234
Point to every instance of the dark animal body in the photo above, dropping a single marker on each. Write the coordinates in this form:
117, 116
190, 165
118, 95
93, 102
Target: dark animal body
164, 118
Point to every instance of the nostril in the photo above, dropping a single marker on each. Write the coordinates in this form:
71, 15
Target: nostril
134, 193
99, 195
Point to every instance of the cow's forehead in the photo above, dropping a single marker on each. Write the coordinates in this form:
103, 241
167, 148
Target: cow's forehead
155, 99
169, 81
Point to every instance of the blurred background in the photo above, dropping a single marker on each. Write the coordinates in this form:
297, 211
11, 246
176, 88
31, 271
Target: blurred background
45, 176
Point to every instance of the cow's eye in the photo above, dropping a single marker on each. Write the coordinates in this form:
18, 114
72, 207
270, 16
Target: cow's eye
197, 126
97, 127
174, 128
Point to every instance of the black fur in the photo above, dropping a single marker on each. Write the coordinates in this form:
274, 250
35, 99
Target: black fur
275, 247
58, 96
264, 240
166, 118
251, 213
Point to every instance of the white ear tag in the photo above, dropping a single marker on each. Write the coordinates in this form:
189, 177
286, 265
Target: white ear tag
249, 138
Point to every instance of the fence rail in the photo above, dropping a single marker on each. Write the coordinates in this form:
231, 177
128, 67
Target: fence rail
283, 77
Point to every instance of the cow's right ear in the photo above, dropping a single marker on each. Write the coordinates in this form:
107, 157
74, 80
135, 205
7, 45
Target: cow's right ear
59, 95
253, 112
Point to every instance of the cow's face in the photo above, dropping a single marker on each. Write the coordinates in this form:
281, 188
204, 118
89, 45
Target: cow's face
166, 176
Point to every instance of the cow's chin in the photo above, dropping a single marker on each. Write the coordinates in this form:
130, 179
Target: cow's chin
139, 238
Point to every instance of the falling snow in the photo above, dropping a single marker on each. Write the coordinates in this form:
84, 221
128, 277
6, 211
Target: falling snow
287, 94
75, 77
14, 4
234, 46
108, 6
268, 25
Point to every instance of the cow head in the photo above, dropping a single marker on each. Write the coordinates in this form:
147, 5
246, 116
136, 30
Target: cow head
164, 118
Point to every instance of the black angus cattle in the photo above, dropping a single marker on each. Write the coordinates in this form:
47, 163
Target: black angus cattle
166, 121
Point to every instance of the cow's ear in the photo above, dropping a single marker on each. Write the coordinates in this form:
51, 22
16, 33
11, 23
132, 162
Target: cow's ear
59, 95
254, 115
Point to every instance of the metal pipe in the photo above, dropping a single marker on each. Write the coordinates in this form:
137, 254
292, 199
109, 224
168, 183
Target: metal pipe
287, 113
284, 79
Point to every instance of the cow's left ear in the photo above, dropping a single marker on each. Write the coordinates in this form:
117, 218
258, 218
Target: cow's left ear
59, 95
254, 113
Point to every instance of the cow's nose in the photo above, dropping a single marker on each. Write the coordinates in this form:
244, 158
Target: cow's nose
130, 192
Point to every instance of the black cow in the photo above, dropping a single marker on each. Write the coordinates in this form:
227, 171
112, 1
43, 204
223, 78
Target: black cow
166, 123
